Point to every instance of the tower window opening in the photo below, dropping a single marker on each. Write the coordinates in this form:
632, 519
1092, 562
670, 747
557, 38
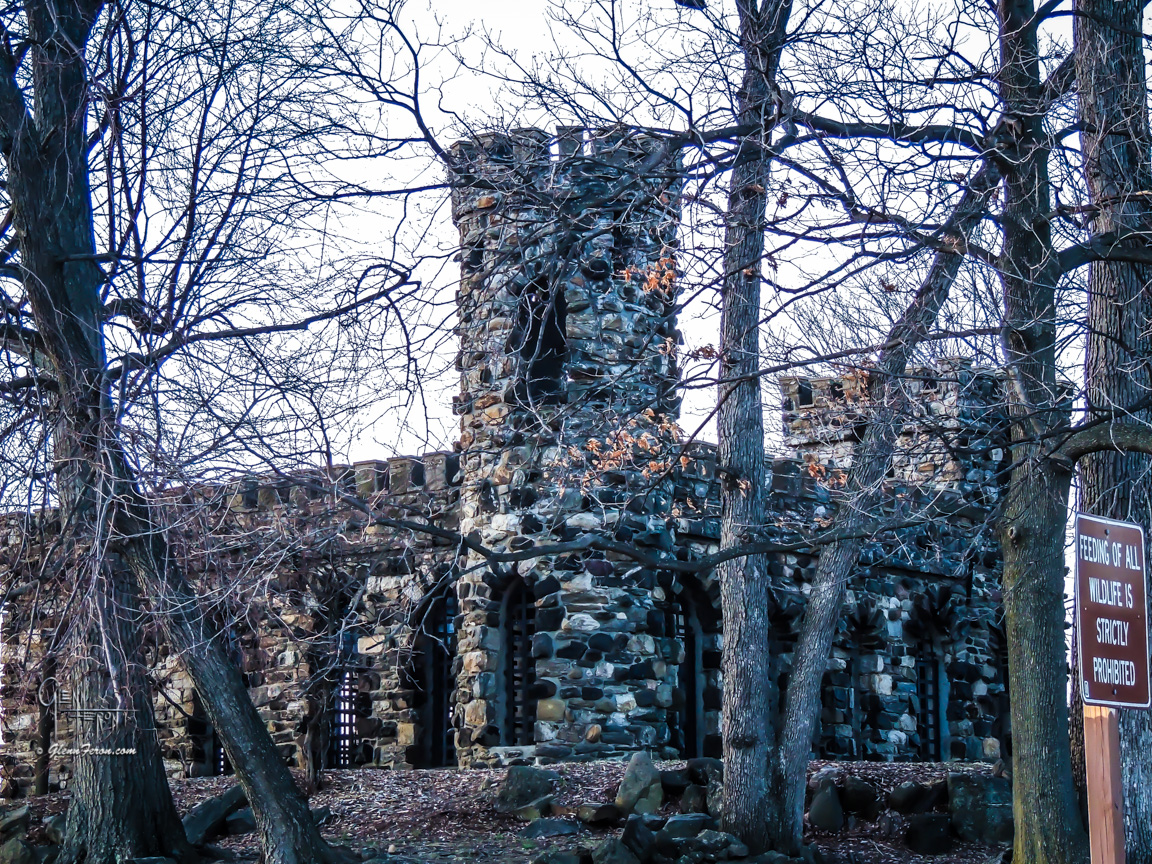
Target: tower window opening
433, 683
541, 341
519, 666
804, 393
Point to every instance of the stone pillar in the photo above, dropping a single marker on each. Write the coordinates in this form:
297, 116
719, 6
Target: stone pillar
567, 361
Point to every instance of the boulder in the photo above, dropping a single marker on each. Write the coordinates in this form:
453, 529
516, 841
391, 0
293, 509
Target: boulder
16, 851
694, 799
716, 799
705, 769
912, 797
929, 834
675, 782
599, 814
240, 822
825, 813
640, 790
861, 797
719, 845
46, 854
522, 786
206, 819
534, 810
611, 851
981, 808
685, 825
54, 828
550, 828
14, 822
638, 837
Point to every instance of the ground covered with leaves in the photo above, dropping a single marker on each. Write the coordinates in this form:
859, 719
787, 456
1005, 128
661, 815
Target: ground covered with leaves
447, 815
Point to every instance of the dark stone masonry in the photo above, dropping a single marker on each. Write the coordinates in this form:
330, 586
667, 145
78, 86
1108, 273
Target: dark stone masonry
367, 640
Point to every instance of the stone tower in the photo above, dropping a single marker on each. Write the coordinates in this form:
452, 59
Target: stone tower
567, 363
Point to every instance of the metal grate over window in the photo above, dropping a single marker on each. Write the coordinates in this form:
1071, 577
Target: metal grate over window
928, 690
519, 665
434, 681
344, 721
684, 720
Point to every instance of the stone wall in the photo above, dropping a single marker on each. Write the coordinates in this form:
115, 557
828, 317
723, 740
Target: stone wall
590, 634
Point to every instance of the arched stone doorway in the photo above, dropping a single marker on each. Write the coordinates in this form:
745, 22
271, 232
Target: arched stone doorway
431, 679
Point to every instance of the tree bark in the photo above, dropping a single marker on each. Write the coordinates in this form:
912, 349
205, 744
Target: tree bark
748, 733
1047, 820
102, 510
288, 833
863, 494
1117, 149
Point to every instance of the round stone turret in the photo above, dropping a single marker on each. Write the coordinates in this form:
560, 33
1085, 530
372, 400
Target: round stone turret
568, 376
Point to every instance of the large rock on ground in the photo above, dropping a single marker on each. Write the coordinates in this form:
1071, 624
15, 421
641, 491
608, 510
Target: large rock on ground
981, 808
825, 813
611, 851
13, 822
16, 851
550, 828
929, 834
240, 822
860, 797
638, 837
694, 799
912, 797
522, 786
640, 790
206, 819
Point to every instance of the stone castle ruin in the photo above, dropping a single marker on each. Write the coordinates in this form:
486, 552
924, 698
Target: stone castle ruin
373, 636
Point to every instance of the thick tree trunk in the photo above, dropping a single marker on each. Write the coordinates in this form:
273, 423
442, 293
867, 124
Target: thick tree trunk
48, 181
1048, 826
1117, 149
288, 832
863, 494
121, 804
748, 729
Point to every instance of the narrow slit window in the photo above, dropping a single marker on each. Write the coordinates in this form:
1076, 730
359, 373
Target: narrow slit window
686, 717
804, 393
541, 342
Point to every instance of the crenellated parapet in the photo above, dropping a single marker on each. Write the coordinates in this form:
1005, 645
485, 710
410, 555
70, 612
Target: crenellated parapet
953, 427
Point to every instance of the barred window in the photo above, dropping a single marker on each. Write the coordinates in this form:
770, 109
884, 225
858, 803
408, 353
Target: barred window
928, 691
519, 620
432, 680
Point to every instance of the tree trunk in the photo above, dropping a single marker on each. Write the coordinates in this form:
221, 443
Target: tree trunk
121, 804
864, 493
288, 832
748, 704
47, 156
1117, 149
1048, 826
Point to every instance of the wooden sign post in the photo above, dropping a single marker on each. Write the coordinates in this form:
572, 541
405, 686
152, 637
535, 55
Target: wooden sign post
1112, 634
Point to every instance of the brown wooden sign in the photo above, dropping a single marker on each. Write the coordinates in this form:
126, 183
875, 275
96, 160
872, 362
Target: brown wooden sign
1111, 613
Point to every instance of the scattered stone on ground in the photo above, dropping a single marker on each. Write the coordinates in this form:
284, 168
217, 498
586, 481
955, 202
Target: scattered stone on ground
205, 821
640, 790
450, 817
